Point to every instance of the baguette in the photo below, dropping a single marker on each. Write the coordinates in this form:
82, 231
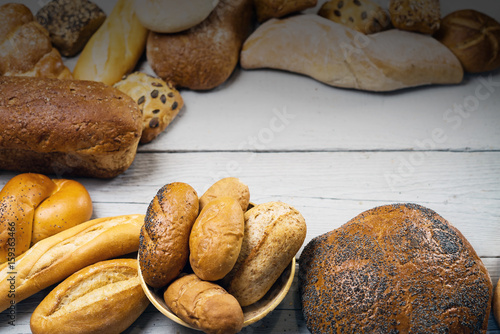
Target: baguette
73, 127
55, 258
342, 57
77, 305
115, 48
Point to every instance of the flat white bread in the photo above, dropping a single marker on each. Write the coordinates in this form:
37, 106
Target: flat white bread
340, 56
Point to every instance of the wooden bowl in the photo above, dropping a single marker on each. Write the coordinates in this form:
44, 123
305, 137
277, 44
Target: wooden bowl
252, 313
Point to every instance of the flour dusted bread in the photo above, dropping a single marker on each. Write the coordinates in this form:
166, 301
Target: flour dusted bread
25, 46
398, 268
339, 56
67, 127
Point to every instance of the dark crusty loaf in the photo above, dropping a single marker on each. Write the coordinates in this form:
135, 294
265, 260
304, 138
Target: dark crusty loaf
394, 269
68, 127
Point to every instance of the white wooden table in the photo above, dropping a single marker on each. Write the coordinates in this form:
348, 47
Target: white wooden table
331, 153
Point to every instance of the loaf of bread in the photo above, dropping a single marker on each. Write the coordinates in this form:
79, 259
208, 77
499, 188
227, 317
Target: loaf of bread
105, 297
215, 239
267, 9
55, 258
473, 37
115, 48
420, 16
274, 233
203, 57
34, 207
25, 47
398, 268
164, 240
228, 186
158, 100
339, 56
70, 23
496, 302
204, 305
67, 127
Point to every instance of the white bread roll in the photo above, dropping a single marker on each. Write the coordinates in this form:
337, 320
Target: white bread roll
339, 56
169, 16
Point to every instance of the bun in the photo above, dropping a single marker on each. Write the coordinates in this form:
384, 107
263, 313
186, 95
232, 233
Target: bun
53, 259
78, 304
473, 37
274, 233
342, 57
267, 9
204, 305
203, 57
72, 127
229, 186
115, 48
164, 241
395, 268
25, 47
170, 16
34, 207
420, 16
158, 100
215, 239
69, 36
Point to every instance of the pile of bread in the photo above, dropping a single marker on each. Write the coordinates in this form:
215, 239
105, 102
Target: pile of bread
209, 256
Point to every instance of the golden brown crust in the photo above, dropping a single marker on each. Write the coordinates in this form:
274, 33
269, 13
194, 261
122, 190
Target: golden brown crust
394, 268
73, 127
267, 9
164, 238
203, 57
215, 239
473, 37
25, 47
204, 305
55, 258
420, 16
78, 304
229, 186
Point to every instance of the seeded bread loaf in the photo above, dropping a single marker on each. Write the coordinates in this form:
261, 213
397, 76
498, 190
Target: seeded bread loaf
420, 16
67, 127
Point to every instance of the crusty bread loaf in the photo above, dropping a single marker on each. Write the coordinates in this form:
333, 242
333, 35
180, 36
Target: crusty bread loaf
228, 186
267, 9
164, 241
398, 268
339, 56
67, 127
274, 233
115, 48
25, 47
203, 57
55, 258
473, 37
420, 16
215, 239
34, 207
204, 305
105, 297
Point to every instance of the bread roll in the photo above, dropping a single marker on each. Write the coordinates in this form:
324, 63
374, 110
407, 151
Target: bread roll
473, 37
170, 16
339, 56
274, 233
203, 57
55, 258
267, 9
80, 304
215, 239
67, 127
496, 302
229, 186
115, 48
420, 16
164, 241
398, 268
204, 305
34, 207
25, 47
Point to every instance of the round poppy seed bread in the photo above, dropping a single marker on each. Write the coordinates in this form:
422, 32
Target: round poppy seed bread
398, 268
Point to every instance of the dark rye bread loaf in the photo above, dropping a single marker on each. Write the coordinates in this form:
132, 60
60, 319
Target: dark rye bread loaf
394, 269
67, 127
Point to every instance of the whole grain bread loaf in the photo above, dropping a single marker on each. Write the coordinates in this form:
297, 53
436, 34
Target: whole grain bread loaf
67, 127
394, 269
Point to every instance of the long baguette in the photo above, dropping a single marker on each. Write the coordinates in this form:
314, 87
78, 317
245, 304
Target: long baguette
53, 259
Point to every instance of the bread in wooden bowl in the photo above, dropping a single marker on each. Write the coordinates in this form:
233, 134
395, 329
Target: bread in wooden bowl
398, 268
